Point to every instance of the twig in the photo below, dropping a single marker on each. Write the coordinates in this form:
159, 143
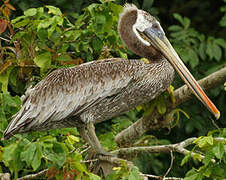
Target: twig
171, 164
213, 122
32, 176
84, 150
79, 149
89, 160
162, 178
4, 39
155, 120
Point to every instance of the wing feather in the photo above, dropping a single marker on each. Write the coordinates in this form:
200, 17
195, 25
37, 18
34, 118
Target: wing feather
70, 91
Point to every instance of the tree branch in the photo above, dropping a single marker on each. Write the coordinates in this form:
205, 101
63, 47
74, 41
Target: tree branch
155, 120
178, 147
162, 178
171, 164
32, 176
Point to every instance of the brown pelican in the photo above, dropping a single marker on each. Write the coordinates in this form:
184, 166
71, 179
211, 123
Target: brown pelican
97, 91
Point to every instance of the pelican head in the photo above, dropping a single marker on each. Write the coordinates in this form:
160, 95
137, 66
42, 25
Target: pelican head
143, 34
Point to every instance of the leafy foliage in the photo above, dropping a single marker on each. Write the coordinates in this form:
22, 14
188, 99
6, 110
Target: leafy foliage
45, 38
194, 46
223, 19
214, 153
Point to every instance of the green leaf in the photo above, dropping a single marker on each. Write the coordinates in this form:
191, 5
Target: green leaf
8, 100
134, 174
13, 78
208, 156
54, 10
223, 21
94, 177
57, 159
205, 140
4, 79
37, 157
43, 61
115, 8
40, 12
77, 157
209, 50
202, 49
57, 156
21, 23
63, 57
217, 53
28, 154
223, 8
194, 60
100, 19
72, 139
8, 153
197, 156
51, 30
45, 23
220, 42
59, 20
30, 12
191, 175
185, 159
178, 17
107, 140
175, 28
42, 34
218, 150
91, 8
207, 172
97, 44
161, 107
186, 23
17, 19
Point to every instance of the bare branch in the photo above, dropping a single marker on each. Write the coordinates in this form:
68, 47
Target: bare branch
32, 176
171, 164
7, 40
155, 120
178, 147
161, 178
89, 160
152, 149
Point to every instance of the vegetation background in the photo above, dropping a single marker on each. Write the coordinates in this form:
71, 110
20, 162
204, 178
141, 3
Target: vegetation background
40, 36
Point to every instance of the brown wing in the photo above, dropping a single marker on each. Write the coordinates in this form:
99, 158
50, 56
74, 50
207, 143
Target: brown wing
67, 92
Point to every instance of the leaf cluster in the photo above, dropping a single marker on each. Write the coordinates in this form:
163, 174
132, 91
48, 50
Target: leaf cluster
213, 166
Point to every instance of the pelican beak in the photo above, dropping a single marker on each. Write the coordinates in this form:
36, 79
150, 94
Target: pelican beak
159, 41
